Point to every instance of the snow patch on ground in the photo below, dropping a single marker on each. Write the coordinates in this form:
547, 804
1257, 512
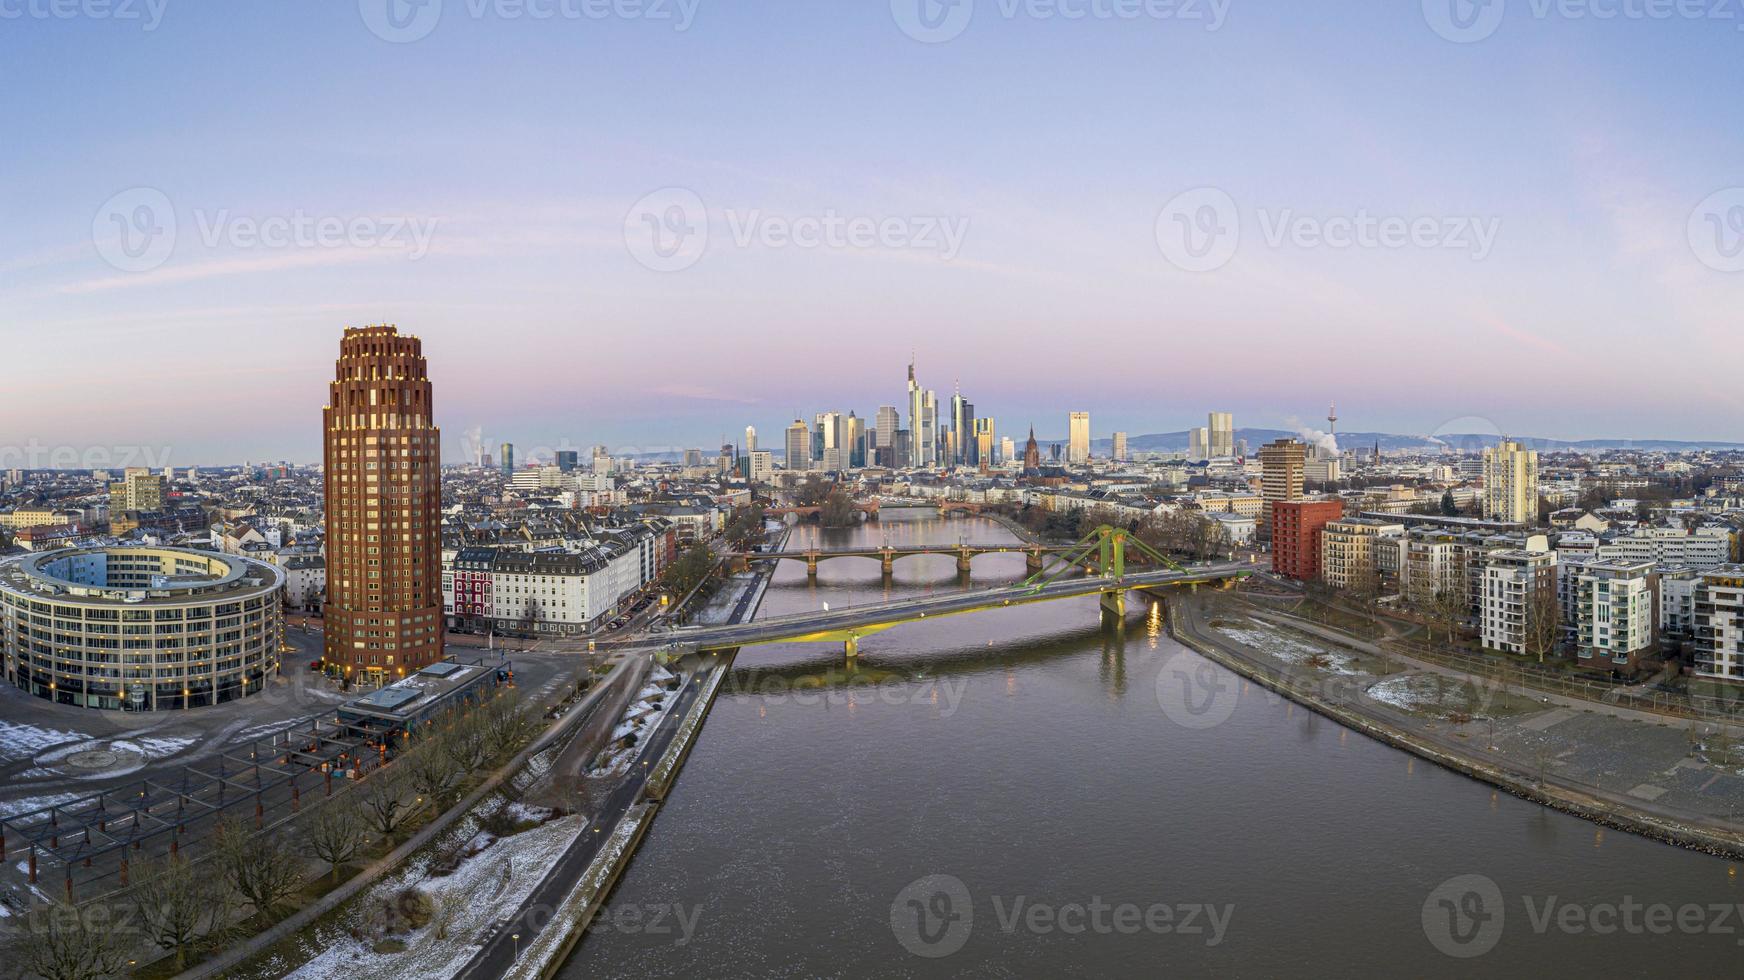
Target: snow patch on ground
19, 742
1290, 649
1430, 694
12, 808
484, 889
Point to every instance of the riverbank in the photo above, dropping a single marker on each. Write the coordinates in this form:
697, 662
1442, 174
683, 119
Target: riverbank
1346, 692
560, 914
575, 914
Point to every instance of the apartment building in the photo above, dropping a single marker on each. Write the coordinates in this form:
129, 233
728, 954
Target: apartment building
1517, 607
1719, 624
1705, 547
1348, 549
1617, 607
1296, 530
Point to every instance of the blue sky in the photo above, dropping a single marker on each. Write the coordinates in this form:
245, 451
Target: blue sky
522, 149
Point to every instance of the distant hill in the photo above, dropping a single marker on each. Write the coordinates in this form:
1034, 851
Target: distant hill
1392, 442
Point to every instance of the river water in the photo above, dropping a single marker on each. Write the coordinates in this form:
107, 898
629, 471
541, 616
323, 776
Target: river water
1000, 795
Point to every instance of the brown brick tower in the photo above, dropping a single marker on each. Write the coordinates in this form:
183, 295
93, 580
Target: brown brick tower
384, 500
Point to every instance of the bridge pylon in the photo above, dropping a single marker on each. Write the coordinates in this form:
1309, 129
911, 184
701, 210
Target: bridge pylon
811, 564
887, 561
965, 560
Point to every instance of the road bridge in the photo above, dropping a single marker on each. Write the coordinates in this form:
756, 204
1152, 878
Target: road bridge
1102, 552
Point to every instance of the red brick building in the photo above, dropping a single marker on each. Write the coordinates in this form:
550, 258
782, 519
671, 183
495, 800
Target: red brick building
1296, 527
384, 509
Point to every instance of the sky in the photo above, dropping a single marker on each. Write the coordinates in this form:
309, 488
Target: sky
649, 223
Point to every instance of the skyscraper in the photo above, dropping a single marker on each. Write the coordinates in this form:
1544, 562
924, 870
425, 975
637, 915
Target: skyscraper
1199, 444
1281, 465
856, 448
384, 498
1078, 447
1120, 447
1222, 431
915, 456
886, 422
1511, 483
508, 459
798, 446
962, 426
750, 439
927, 436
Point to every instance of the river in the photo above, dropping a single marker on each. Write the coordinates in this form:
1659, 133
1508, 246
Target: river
1000, 795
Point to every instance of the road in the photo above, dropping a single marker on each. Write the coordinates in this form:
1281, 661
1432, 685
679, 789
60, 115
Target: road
499, 952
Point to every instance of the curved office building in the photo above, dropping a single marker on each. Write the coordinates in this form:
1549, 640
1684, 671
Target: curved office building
139, 628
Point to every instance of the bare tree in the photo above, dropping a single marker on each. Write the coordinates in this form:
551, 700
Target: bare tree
466, 740
61, 942
335, 834
261, 868
177, 903
1543, 630
431, 767
508, 725
383, 799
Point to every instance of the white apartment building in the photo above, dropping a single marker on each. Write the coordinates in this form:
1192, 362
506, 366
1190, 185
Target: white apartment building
1677, 600
1616, 607
1518, 586
1719, 624
1707, 547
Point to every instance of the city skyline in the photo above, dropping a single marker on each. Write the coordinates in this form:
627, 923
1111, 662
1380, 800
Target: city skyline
506, 218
